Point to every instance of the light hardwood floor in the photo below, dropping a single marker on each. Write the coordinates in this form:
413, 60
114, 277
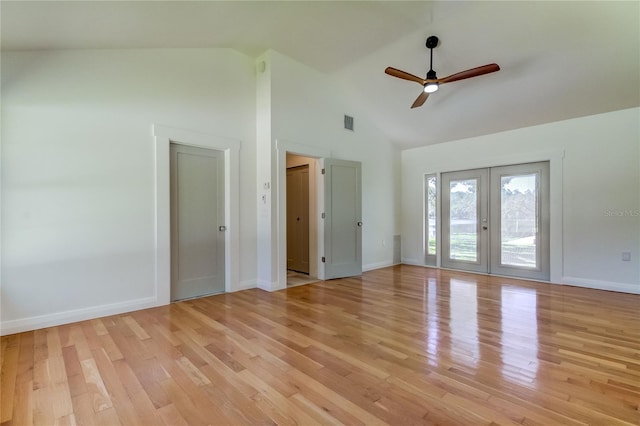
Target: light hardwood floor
401, 345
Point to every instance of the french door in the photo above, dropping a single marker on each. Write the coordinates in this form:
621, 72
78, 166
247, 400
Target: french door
496, 220
465, 217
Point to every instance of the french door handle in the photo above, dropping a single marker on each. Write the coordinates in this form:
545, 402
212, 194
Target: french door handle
485, 227
222, 228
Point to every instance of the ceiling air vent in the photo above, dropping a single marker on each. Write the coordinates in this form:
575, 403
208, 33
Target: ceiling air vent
348, 122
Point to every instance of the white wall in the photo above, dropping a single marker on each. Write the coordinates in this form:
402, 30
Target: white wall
306, 108
599, 187
78, 171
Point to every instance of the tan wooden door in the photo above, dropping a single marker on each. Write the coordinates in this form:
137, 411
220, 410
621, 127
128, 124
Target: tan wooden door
298, 219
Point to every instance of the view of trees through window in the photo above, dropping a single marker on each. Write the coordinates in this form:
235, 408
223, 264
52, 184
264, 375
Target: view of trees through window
464, 219
518, 207
518, 219
431, 214
519, 227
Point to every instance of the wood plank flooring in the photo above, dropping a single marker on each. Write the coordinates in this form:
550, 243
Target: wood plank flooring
401, 345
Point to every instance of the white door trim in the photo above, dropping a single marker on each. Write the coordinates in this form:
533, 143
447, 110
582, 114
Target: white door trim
163, 137
282, 147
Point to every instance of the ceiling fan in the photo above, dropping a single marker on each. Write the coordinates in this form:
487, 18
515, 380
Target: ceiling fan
431, 83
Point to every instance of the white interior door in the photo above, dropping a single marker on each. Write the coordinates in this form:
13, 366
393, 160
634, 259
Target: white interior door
343, 218
197, 227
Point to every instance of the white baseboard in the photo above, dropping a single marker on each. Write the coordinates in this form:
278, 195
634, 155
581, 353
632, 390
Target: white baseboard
578, 282
74, 315
377, 265
602, 285
415, 262
246, 285
266, 285
58, 318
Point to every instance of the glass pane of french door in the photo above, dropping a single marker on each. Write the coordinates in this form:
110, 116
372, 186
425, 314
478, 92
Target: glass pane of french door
520, 220
463, 226
465, 220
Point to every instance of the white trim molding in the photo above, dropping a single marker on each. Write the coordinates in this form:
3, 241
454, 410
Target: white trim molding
602, 285
163, 137
74, 315
246, 285
377, 265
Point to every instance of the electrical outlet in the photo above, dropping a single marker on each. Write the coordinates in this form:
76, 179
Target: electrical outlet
626, 256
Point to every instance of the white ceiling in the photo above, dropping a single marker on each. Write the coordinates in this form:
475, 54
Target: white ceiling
559, 60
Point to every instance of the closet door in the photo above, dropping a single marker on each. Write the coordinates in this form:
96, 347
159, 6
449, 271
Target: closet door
343, 218
197, 222
298, 219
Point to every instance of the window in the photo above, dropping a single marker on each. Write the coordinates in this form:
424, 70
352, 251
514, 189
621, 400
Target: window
431, 215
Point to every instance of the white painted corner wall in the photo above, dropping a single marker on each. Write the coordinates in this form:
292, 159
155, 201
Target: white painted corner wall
82, 174
595, 192
297, 117
79, 179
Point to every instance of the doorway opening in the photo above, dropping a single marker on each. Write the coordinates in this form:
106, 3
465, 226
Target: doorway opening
335, 220
301, 219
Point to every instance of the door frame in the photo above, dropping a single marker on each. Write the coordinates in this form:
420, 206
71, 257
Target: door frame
555, 159
163, 137
317, 153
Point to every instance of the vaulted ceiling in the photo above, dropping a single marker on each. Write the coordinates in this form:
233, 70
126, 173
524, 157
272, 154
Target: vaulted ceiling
558, 60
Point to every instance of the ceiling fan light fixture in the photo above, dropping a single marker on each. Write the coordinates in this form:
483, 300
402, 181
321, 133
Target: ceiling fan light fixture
430, 87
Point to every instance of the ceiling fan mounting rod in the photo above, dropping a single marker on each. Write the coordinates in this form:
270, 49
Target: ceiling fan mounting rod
430, 59
431, 44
